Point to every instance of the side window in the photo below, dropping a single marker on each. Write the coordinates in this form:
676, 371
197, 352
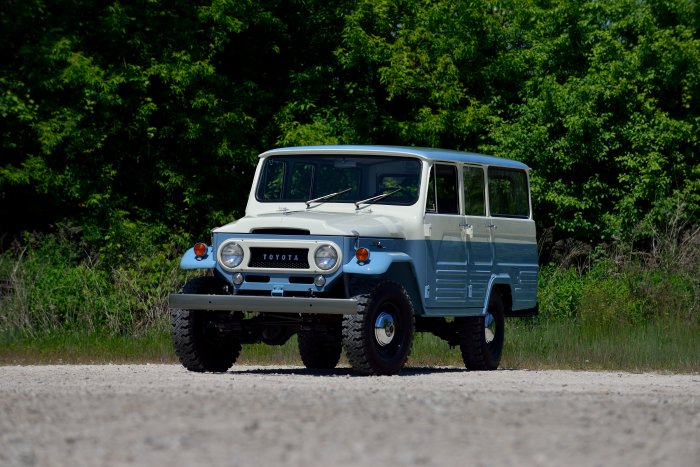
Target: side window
442, 190
508, 195
474, 198
431, 201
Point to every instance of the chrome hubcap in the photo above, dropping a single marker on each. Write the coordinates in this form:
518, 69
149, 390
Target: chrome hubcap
384, 329
489, 328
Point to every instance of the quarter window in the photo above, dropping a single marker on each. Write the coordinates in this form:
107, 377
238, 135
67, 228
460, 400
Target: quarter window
508, 194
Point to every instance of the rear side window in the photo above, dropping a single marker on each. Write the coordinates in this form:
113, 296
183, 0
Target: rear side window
474, 189
508, 193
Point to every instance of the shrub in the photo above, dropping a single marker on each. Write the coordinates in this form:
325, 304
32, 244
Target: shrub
559, 292
54, 283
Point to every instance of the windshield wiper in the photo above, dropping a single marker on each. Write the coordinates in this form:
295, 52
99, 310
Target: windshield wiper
374, 199
325, 197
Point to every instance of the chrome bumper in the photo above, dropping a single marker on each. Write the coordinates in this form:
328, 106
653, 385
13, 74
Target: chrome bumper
329, 306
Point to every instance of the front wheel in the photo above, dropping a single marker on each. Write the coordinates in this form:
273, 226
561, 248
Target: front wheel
198, 344
481, 337
320, 350
378, 338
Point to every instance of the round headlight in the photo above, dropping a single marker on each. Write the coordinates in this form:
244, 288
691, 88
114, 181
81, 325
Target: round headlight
231, 255
326, 257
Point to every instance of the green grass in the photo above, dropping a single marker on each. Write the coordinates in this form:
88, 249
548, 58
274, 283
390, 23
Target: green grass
653, 346
63, 347
670, 346
529, 345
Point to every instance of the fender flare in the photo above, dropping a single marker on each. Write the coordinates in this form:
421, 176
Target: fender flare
496, 279
191, 261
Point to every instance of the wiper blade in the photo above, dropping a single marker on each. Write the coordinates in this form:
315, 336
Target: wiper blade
374, 199
325, 197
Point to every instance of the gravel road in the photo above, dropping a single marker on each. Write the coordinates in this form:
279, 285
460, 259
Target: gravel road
163, 415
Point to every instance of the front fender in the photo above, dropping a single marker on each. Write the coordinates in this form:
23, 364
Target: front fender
191, 261
379, 263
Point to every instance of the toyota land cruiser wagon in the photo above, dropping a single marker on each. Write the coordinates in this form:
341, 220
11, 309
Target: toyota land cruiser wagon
356, 248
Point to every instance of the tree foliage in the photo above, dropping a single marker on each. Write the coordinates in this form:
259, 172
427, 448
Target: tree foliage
148, 115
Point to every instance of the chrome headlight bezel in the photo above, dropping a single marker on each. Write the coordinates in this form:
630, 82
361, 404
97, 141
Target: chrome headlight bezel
230, 255
326, 257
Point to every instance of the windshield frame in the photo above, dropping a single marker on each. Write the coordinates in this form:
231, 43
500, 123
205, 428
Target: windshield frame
298, 178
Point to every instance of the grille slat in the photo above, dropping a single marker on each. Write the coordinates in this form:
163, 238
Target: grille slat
279, 258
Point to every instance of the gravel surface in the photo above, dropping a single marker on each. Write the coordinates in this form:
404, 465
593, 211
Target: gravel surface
163, 415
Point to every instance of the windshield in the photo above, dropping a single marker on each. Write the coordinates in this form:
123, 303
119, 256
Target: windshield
314, 179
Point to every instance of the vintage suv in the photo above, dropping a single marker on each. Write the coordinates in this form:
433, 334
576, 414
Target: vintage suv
359, 247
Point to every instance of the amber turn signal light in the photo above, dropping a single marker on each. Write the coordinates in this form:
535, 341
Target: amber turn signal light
200, 249
362, 254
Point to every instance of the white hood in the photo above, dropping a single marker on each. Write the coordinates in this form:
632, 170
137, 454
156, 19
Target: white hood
324, 223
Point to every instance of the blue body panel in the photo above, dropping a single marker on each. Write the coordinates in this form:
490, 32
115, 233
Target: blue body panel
462, 289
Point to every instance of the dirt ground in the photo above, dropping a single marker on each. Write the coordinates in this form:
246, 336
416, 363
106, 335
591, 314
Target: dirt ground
113, 415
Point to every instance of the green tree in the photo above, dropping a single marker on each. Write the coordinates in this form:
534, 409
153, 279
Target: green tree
608, 117
135, 111
123, 115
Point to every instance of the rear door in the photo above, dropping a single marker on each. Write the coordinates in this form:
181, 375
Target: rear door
513, 231
477, 233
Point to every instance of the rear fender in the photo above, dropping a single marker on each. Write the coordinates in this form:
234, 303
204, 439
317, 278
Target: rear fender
501, 284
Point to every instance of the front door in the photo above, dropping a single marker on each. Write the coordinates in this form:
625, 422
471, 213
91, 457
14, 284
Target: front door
447, 255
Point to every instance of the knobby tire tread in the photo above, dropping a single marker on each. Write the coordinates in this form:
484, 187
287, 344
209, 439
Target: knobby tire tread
196, 351
357, 344
320, 350
473, 347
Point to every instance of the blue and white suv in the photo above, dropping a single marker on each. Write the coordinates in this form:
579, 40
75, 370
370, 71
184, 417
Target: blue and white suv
358, 247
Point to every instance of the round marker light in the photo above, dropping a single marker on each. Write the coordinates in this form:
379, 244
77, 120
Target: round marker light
319, 281
238, 278
200, 250
362, 254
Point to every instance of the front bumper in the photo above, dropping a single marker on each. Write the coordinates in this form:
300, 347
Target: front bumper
327, 306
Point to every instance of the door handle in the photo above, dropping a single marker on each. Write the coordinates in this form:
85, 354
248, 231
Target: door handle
492, 226
467, 231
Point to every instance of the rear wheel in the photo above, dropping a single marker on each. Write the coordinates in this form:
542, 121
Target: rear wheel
199, 344
378, 338
481, 337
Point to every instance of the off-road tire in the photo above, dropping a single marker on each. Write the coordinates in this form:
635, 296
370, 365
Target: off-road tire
364, 351
197, 344
478, 353
320, 350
